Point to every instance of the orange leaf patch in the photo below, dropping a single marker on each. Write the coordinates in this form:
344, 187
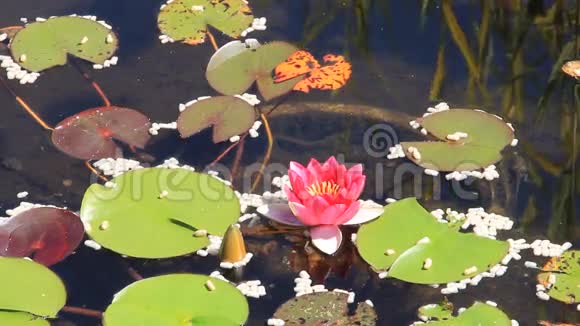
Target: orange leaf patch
333, 75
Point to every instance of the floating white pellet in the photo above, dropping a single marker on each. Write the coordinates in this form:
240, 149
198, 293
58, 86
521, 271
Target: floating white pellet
197, 8
565, 246
431, 172
353, 237
424, 240
104, 225
22, 58
530, 264
163, 194
470, 270
370, 303
542, 296
304, 274
514, 142
427, 263
3, 37
515, 322
390, 252
22, 194
491, 303
209, 285
552, 279
200, 233
540, 288
84, 40
350, 298
92, 244
226, 265
98, 66
383, 275
253, 133
390, 200
109, 39
276, 322
235, 138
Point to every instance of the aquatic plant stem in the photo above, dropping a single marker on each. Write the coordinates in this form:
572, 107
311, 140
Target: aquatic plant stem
25, 106
227, 150
94, 171
212, 40
268, 152
239, 154
93, 83
82, 311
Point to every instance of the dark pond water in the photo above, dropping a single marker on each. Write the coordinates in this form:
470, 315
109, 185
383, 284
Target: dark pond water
393, 46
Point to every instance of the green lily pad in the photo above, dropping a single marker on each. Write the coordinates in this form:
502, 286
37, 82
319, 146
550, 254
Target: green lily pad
566, 268
228, 115
30, 287
134, 218
47, 44
328, 308
403, 224
187, 20
440, 311
16, 318
478, 314
236, 66
177, 300
487, 136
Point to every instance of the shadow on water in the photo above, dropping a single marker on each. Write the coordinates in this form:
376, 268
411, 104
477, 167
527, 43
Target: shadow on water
503, 55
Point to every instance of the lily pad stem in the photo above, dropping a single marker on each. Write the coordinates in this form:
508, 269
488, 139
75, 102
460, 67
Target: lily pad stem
227, 150
95, 85
268, 152
82, 311
94, 171
239, 153
212, 40
25, 106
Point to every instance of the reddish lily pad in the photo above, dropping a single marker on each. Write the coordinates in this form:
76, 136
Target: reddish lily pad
487, 135
324, 308
91, 134
228, 115
236, 66
46, 234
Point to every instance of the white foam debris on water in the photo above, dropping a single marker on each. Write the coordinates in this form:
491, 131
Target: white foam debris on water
245, 217
353, 237
491, 303
514, 142
156, 126
414, 124
542, 295
15, 71
390, 200
258, 24
531, 264
165, 39
22, 194
24, 206
184, 106
431, 172
489, 173
24, 20
252, 289
369, 302
276, 322
3, 37
383, 274
547, 249
235, 138
282, 181
92, 244
514, 322
396, 152
237, 264
253, 133
116, 166
249, 98
414, 153
173, 163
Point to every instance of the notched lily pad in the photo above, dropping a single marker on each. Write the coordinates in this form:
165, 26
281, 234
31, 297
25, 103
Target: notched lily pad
440, 311
177, 300
91, 134
391, 242
16, 318
137, 216
187, 20
487, 135
45, 234
30, 287
228, 115
566, 269
478, 314
324, 308
236, 66
42, 45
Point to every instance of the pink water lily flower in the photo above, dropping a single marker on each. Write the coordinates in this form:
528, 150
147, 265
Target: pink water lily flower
322, 197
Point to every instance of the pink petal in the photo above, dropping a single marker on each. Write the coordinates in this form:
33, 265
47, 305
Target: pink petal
303, 214
369, 210
327, 238
280, 213
332, 214
349, 213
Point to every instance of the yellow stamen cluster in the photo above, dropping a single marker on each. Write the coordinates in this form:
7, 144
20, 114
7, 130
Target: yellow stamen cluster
323, 188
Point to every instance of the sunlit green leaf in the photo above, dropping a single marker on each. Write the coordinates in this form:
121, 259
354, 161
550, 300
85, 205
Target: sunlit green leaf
566, 270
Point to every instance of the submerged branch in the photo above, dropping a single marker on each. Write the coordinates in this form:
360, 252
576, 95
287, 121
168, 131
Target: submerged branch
268, 152
93, 83
82, 311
